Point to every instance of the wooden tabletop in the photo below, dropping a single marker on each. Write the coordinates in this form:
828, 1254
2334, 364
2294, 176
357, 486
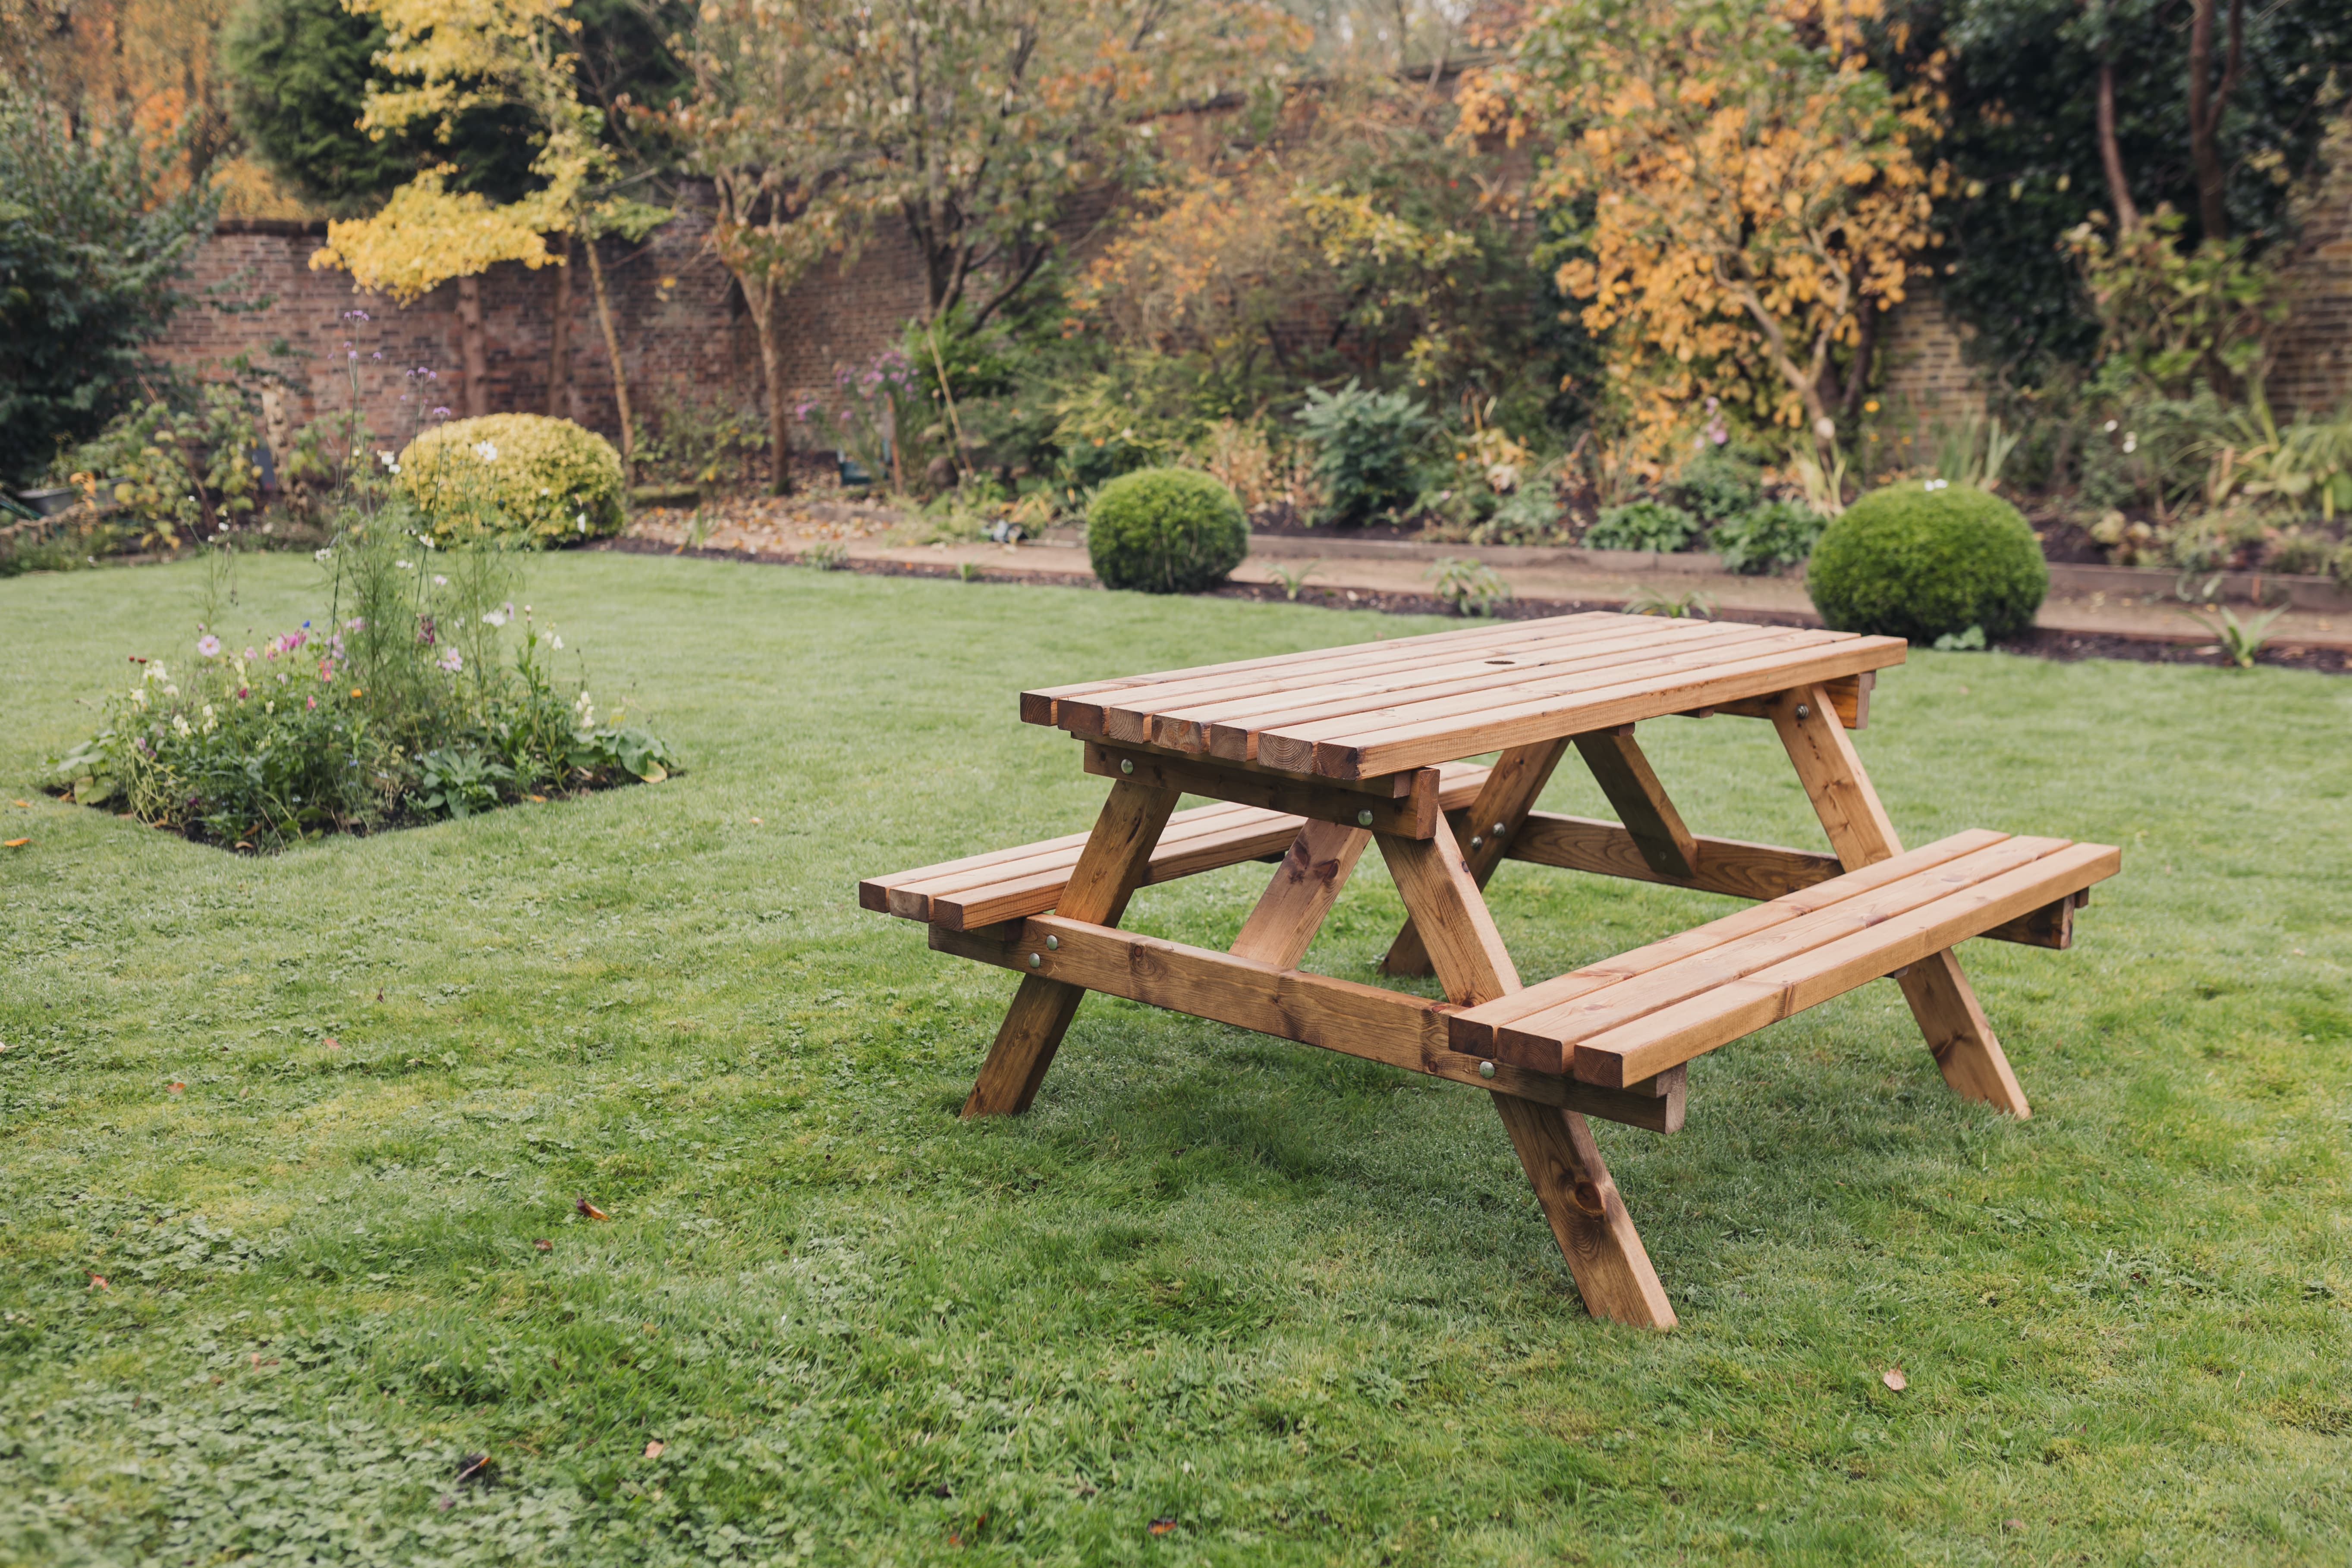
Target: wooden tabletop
1378, 708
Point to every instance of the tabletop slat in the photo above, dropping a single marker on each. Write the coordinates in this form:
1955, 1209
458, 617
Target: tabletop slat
1376, 708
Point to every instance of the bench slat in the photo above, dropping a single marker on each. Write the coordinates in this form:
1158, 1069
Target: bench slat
1540, 1036
1674, 1035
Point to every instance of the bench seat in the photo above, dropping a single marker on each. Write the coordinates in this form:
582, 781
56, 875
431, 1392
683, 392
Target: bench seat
1012, 884
1632, 1016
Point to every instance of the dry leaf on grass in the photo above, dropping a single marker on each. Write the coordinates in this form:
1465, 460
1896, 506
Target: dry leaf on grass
591, 1210
15, 843
1893, 1378
653, 1448
1162, 1526
542, 1243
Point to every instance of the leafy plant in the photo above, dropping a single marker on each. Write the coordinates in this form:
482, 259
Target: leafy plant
183, 468
1654, 525
458, 782
2307, 463
1720, 482
1470, 586
1969, 641
826, 555
703, 441
1772, 537
1528, 515
1972, 450
1292, 581
1695, 604
2175, 316
2242, 640
1367, 451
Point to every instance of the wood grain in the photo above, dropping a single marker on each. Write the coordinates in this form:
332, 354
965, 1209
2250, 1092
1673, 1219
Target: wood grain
1291, 911
1588, 1216
1390, 1027
1626, 778
1112, 865
1451, 914
1967, 1050
1412, 813
1513, 785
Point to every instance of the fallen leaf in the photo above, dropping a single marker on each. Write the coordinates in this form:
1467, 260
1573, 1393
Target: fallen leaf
98, 1281
331, 1042
16, 843
536, 799
755, 821
176, 1087
25, 804
2012, 1524
543, 1245
654, 1449
591, 1210
1162, 1526
1893, 1378
473, 1467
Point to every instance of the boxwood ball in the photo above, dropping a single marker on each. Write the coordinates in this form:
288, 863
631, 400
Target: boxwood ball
1165, 530
1910, 562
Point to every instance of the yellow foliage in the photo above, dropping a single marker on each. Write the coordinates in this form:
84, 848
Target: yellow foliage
1754, 189
427, 233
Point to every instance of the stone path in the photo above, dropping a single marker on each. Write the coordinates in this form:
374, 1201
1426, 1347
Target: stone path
874, 537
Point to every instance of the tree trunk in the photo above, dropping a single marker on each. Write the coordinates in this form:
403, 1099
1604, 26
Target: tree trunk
2207, 100
1857, 376
473, 351
559, 339
760, 295
2111, 154
613, 349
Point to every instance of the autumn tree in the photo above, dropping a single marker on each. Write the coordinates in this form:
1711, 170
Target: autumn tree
1759, 194
447, 58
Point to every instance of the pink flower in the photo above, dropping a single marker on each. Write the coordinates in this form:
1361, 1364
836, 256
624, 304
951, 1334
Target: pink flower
310, 702
208, 645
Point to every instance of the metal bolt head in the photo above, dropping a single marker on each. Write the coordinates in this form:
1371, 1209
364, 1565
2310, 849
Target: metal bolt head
1127, 764
1364, 818
1804, 710
1036, 960
1486, 1070
1475, 841
1498, 830
1054, 942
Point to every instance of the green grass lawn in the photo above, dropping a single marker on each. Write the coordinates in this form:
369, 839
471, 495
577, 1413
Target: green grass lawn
1302, 1306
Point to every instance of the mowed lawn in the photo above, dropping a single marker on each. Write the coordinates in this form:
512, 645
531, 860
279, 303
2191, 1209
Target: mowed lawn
1218, 1298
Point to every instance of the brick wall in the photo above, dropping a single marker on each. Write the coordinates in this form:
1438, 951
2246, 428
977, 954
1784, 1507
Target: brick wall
682, 326
1923, 370
2312, 367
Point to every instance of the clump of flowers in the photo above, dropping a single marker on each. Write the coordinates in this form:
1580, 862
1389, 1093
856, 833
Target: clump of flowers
420, 695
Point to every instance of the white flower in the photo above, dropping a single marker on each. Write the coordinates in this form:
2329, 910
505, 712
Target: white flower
427, 541
2111, 427
211, 724
156, 672
270, 707
439, 581
585, 710
501, 617
139, 696
1824, 427
583, 522
2131, 443
545, 491
322, 556
556, 642
486, 450
405, 565
180, 725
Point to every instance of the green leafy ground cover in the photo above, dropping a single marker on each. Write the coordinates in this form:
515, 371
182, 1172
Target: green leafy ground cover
1303, 1306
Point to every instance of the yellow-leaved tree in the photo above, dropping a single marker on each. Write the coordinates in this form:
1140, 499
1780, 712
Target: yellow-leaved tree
447, 56
1759, 195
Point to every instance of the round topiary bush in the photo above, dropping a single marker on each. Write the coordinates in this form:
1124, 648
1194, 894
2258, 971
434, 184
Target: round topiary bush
1910, 562
1165, 530
525, 475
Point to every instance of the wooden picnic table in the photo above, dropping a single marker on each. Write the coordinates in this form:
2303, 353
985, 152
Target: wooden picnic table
1310, 757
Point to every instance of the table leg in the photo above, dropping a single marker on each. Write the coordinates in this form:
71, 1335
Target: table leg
1509, 795
1111, 867
1859, 829
1305, 887
1563, 1164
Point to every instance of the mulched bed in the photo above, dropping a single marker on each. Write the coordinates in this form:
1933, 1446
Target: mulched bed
2040, 643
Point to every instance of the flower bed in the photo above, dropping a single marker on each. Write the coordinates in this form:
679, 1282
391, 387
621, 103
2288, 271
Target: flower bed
425, 693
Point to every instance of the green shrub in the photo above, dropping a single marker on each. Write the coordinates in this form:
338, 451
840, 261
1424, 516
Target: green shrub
1719, 483
1771, 537
1165, 530
1367, 451
524, 475
1915, 562
1641, 525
